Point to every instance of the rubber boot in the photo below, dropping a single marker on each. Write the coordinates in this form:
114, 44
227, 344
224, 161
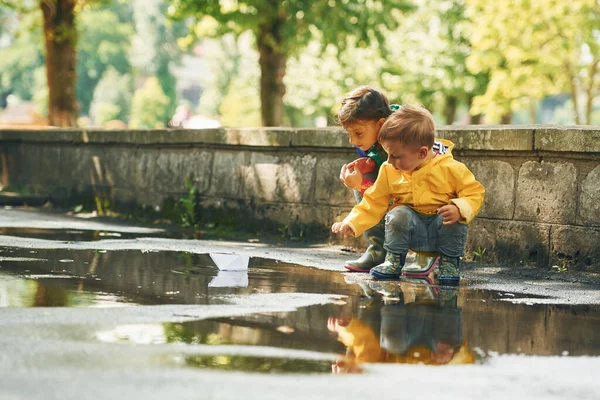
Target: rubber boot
391, 268
448, 270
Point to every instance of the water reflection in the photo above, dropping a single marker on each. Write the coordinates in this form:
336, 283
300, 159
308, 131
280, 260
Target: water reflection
404, 313
259, 364
163, 277
410, 324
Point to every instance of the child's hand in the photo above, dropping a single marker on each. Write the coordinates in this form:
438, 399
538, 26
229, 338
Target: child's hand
351, 177
450, 214
342, 227
334, 324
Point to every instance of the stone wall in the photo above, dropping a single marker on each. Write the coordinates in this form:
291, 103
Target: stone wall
542, 182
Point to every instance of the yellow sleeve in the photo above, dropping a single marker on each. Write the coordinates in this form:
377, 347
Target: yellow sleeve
373, 206
362, 341
469, 191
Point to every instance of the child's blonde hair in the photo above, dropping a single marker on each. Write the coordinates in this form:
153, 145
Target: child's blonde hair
410, 125
363, 103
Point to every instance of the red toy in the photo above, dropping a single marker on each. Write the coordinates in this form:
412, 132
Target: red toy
365, 165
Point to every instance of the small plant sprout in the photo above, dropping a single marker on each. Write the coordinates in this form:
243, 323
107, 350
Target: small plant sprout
479, 253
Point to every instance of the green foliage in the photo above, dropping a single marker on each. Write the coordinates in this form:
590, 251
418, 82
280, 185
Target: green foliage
112, 97
533, 49
104, 36
154, 45
187, 206
227, 53
102, 204
283, 28
318, 78
479, 253
40, 90
425, 58
241, 105
149, 106
561, 268
23, 56
365, 20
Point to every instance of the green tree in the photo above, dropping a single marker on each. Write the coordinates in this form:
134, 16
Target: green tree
149, 106
426, 59
317, 79
154, 45
112, 97
227, 54
23, 54
533, 49
105, 34
283, 27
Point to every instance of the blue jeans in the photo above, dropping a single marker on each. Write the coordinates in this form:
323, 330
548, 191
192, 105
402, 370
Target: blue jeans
406, 229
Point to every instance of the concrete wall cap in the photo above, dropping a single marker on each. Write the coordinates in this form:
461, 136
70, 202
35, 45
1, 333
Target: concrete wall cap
468, 137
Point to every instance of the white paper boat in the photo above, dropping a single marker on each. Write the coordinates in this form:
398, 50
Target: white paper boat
230, 262
230, 279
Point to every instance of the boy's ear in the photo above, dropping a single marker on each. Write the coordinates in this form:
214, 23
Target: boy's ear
423, 151
380, 122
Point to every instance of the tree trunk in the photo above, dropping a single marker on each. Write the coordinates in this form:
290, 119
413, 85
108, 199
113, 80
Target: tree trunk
450, 109
61, 60
473, 119
272, 62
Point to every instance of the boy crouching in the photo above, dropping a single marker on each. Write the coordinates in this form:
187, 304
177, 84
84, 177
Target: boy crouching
428, 196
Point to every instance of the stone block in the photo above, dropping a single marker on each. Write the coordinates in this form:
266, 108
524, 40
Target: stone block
162, 173
498, 178
589, 199
328, 187
510, 242
226, 179
272, 178
488, 137
546, 192
575, 248
330, 137
581, 139
265, 137
153, 136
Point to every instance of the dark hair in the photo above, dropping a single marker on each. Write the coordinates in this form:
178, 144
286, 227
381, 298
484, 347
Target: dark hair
364, 103
410, 125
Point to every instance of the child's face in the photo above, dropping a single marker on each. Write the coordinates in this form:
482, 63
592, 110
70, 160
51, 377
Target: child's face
405, 158
363, 133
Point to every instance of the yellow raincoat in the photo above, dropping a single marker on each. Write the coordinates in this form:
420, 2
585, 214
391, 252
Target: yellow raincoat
440, 181
364, 346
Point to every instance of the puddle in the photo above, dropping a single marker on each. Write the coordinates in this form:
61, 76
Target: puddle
72, 235
385, 322
273, 365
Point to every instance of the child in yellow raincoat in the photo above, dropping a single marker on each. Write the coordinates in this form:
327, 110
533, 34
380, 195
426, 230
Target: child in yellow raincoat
433, 197
418, 329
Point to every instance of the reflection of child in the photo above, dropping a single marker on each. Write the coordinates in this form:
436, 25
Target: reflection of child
430, 192
363, 112
418, 333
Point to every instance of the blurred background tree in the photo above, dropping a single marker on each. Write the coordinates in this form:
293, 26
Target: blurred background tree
534, 49
289, 62
149, 106
283, 28
24, 54
154, 46
105, 34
